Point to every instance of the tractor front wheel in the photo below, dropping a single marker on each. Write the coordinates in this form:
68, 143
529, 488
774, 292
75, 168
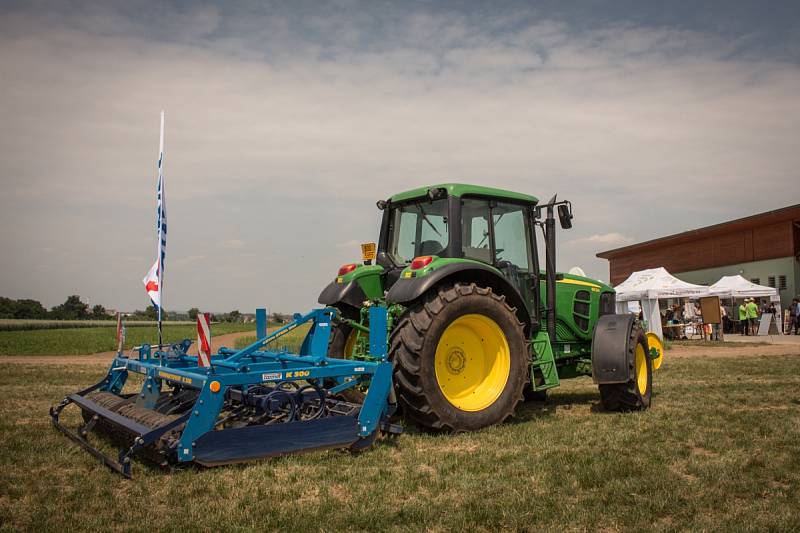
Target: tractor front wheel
460, 358
635, 394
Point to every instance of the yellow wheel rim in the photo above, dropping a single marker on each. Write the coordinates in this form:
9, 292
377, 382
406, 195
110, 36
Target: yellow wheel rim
472, 362
656, 348
641, 369
350, 344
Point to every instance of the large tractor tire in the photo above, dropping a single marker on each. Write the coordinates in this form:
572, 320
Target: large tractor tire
460, 359
635, 394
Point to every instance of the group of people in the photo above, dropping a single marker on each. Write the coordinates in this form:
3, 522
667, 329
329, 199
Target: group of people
748, 316
676, 317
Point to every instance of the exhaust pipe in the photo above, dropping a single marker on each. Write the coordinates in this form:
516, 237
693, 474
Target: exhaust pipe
550, 268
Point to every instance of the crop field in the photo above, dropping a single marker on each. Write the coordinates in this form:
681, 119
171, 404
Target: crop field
15, 324
719, 450
79, 341
291, 341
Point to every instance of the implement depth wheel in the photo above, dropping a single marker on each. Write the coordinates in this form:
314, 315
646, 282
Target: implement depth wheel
460, 359
636, 393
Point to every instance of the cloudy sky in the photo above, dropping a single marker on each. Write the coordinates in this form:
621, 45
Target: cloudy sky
287, 120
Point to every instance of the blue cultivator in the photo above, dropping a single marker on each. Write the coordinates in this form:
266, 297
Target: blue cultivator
248, 404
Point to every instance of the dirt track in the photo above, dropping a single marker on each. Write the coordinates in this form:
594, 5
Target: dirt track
730, 349
105, 357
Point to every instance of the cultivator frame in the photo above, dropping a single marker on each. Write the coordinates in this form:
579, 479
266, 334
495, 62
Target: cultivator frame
250, 403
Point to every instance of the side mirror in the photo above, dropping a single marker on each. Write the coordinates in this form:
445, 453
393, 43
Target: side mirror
565, 216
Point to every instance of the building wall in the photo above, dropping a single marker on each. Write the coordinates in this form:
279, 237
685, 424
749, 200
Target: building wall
732, 247
787, 266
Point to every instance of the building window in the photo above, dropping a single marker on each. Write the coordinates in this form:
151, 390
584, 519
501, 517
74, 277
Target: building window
757, 281
782, 283
771, 281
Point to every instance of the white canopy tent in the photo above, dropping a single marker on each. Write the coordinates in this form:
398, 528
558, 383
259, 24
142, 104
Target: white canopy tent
738, 287
648, 286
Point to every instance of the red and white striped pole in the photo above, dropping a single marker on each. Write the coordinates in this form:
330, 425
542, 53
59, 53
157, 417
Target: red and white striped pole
203, 339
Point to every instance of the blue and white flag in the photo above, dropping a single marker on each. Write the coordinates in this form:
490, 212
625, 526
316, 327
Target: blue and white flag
154, 280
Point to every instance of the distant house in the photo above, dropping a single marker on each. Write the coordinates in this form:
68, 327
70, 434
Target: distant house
764, 248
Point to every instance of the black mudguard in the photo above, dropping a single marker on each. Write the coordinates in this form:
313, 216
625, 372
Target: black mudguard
349, 293
612, 361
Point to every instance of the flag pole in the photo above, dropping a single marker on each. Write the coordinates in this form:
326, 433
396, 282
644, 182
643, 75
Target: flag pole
160, 228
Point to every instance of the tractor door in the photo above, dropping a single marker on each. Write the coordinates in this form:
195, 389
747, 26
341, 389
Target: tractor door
498, 233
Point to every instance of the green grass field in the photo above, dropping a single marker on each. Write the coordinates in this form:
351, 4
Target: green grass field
291, 341
719, 450
99, 339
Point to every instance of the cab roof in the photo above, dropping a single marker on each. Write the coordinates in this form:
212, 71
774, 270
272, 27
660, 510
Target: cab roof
462, 189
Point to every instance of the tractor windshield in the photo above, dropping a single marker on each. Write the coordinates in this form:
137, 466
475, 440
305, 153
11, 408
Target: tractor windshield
418, 228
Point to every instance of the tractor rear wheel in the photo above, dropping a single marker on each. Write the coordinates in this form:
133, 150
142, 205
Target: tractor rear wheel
634, 395
460, 359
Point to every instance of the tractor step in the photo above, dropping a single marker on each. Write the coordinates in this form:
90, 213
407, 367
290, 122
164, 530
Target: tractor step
544, 374
256, 442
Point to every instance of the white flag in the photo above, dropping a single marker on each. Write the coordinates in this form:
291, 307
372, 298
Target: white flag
154, 281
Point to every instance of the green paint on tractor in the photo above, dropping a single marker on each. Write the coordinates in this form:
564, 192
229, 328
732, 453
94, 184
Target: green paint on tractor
463, 189
474, 322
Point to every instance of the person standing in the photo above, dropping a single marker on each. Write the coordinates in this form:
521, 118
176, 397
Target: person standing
688, 310
743, 318
752, 316
726, 321
794, 317
797, 316
723, 320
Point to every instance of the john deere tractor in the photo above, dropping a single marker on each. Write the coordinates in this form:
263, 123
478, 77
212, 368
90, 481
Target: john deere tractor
454, 325
474, 324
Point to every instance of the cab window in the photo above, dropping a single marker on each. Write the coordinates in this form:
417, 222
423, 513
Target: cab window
419, 228
511, 235
475, 230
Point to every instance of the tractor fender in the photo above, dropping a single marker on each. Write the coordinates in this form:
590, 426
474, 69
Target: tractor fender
349, 293
406, 290
611, 360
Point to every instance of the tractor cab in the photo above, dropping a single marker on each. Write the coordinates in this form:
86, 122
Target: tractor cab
481, 224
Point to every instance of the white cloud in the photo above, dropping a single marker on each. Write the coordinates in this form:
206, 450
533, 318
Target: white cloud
606, 239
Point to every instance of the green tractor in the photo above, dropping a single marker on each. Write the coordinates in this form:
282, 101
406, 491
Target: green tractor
474, 324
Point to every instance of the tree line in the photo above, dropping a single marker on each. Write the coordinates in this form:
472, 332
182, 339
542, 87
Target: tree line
72, 309
76, 309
